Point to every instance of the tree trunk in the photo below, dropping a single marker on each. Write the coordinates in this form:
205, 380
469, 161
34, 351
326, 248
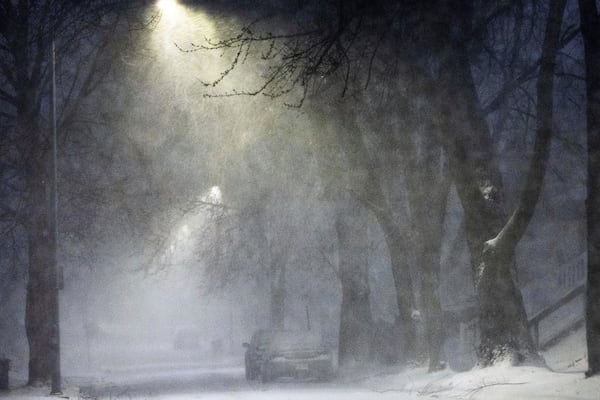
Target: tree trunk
278, 292
398, 251
504, 329
355, 314
373, 198
432, 307
427, 205
501, 309
478, 185
590, 29
499, 250
366, 187
428, 217
40, 311
369, 191
41, 294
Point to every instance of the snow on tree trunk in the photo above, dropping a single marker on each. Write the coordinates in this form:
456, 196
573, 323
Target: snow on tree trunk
590, 28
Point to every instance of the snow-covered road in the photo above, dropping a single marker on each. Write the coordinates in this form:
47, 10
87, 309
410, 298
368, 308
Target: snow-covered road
225, 383
496, 383
500, 382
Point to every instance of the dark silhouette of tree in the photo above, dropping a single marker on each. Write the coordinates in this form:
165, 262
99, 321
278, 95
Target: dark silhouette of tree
82, 33
363, 181
590, 30
503, 323
355, 334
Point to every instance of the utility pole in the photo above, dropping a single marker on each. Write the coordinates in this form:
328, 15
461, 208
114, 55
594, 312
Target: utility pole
56, 389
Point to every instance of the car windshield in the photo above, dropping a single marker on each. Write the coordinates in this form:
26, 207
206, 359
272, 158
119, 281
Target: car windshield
295, 340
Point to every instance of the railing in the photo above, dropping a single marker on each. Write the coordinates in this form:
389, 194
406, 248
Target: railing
534, 322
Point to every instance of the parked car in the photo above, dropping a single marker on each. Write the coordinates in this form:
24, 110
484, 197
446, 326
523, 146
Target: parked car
295, 354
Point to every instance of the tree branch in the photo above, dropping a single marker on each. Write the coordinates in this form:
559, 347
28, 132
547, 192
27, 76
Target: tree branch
514, 229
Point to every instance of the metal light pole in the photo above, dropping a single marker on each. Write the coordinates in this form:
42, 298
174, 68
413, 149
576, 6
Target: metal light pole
56, 389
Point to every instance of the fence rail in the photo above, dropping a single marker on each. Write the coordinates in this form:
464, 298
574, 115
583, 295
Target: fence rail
534, 322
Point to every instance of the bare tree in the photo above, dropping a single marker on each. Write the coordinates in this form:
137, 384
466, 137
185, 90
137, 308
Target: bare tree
348, 168
432, 42
82, 33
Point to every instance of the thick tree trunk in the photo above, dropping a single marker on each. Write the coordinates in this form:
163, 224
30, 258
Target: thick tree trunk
429, 218
499, 250
427, 215
590, 28
374, 199
479, 187
432, 307
398, 251
355, 314
41, 294
503, 325
504, 329
427, 205
368, 189
40, 312
370, 193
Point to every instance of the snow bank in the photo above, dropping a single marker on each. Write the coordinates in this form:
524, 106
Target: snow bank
498, 382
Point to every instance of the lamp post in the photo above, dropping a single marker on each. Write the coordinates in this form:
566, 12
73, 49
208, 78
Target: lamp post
56, 389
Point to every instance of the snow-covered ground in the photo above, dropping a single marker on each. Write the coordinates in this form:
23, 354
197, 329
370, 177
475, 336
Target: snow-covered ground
563, 379
501, 382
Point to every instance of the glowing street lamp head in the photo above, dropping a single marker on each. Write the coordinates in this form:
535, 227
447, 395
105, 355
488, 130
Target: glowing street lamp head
167, 6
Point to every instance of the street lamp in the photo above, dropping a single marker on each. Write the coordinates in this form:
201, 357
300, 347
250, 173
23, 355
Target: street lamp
56, 389
167, 6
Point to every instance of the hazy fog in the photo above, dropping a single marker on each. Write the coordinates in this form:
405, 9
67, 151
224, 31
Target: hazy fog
166, 261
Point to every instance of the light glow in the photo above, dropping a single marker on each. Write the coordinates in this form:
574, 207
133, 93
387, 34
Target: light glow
180, 26
167, 6
214, 195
